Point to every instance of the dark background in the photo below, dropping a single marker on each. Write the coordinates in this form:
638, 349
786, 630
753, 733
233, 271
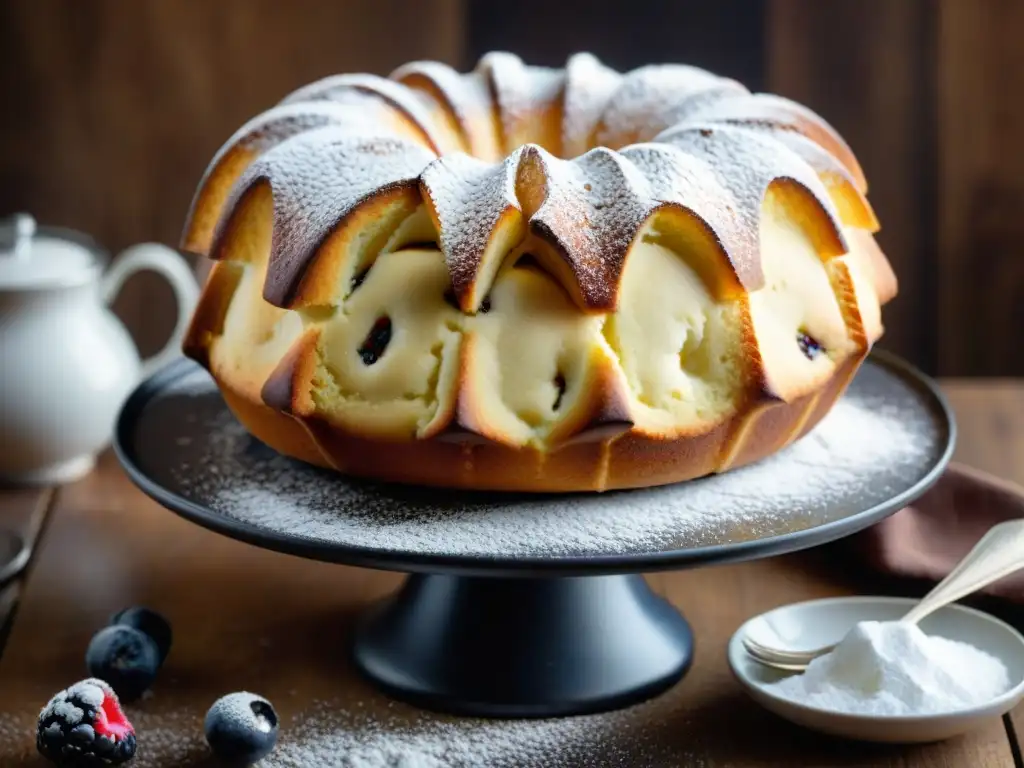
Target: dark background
112, 108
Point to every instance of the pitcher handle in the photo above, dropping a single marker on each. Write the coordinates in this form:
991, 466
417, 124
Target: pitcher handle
175, 270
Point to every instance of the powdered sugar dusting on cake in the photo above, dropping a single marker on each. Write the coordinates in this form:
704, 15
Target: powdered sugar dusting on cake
588, 86
261, 134
465, 96
469, 199
323, 163
868, 448
689, 182
282, 122
525, 96
318, 178
746, 163
590, 208
593, 207
653, 98
812, 153
783, 114
346, 89
833, 174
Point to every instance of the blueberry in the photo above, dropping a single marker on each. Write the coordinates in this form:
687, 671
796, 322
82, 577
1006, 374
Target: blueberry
150, 623
241, 728
125, 658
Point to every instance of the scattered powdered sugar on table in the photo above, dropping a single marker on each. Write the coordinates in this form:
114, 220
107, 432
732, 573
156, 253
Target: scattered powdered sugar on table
13, 728
868, 448
168, 738
376, 732
331, 735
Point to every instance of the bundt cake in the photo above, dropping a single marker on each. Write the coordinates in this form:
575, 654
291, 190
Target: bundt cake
534, 279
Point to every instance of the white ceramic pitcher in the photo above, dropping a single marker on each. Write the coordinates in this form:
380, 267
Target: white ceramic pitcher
66, 362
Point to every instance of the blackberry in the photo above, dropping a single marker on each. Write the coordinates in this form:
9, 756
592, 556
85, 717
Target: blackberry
83, 727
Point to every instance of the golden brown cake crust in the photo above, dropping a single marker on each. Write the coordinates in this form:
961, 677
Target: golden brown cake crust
393, 300
631, 461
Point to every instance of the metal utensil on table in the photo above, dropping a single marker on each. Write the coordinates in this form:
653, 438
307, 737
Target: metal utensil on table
14, 555
997, 554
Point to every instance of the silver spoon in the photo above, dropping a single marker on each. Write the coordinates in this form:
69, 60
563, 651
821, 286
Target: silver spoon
999, 553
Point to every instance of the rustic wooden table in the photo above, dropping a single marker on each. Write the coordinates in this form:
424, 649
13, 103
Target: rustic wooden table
249, 619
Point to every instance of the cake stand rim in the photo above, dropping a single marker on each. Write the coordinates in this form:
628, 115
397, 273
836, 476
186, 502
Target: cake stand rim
530, 566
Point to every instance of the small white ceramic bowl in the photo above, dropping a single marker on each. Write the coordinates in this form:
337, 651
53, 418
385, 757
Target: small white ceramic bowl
820, 622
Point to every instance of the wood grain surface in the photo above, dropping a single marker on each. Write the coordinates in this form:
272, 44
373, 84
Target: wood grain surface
249, 619
26, 512
726, 36
981, 187
111, 110
991, 437
865, 66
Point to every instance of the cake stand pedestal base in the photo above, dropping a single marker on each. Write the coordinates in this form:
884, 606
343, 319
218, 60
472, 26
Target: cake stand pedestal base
523, 647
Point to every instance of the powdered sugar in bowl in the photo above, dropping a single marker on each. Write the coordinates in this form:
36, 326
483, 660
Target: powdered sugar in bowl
906, 709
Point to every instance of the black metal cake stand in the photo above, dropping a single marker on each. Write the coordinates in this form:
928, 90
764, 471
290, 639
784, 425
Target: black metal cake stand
515, 607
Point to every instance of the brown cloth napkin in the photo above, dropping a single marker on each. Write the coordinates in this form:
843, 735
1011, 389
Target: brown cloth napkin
926, 540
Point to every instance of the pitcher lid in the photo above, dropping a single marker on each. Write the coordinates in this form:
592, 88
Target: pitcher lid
34, 258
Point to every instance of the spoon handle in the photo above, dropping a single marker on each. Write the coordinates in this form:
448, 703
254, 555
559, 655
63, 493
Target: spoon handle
999, 553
